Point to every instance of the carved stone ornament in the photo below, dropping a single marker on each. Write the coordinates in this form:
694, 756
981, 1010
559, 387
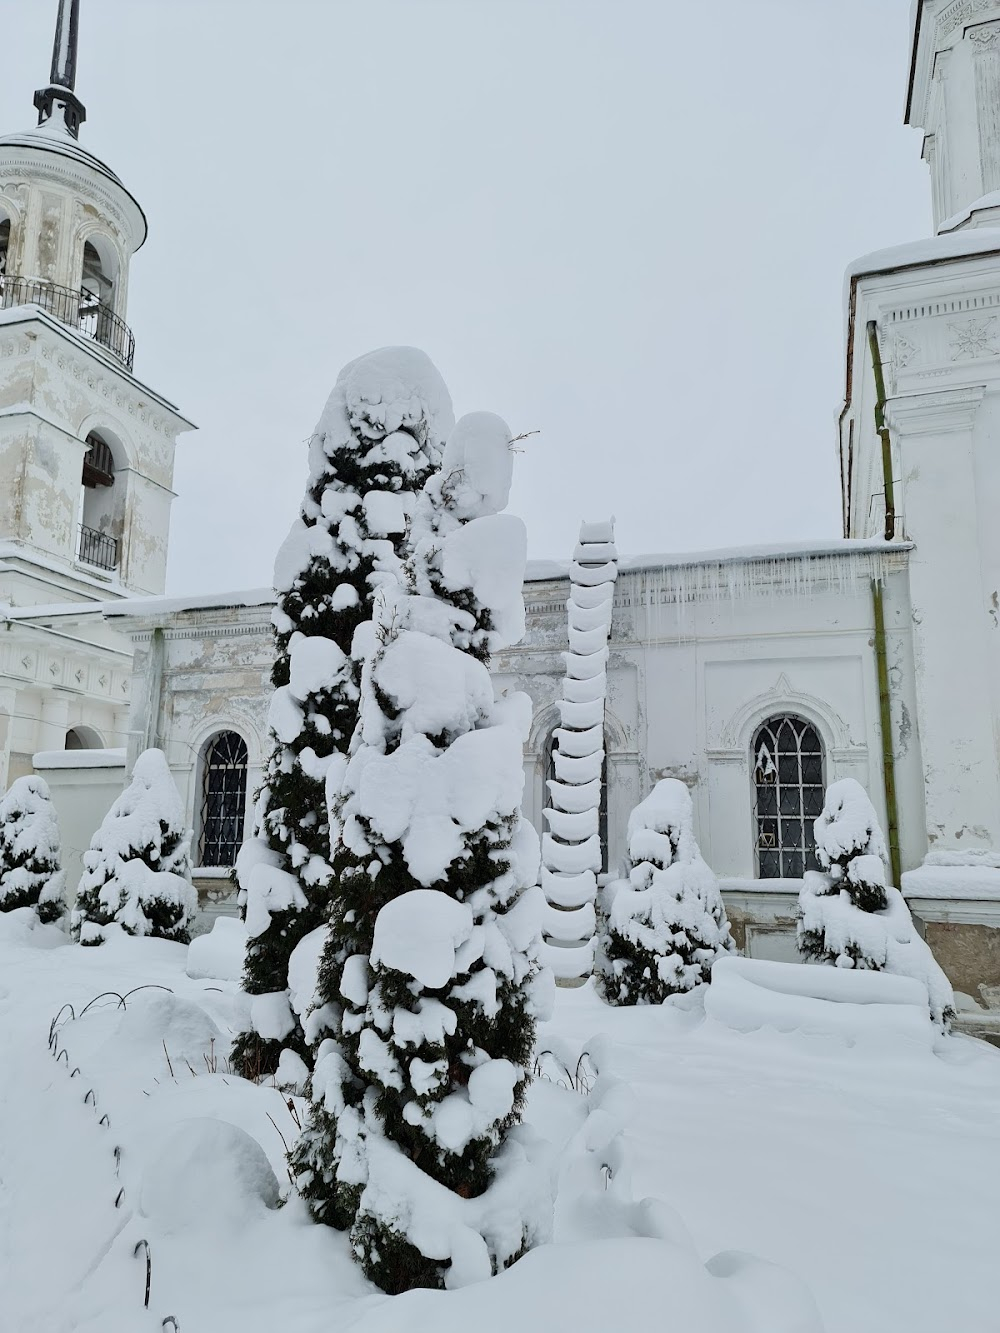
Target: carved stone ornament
974, 338
961, 12
985, 37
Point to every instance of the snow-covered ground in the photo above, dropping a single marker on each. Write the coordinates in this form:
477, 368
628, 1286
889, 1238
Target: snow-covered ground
869, 1170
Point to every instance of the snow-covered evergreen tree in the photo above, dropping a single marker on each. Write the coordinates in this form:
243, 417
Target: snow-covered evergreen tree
848, 915
663, 927
137, 872
429, 983
379, 439
29, 850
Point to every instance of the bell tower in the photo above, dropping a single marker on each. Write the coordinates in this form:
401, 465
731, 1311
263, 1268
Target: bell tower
86, 449
954, 97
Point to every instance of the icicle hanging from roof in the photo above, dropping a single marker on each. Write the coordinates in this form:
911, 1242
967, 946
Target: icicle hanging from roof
571, 844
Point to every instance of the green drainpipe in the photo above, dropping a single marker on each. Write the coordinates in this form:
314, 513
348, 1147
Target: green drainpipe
885, 715
883, 430
878, 607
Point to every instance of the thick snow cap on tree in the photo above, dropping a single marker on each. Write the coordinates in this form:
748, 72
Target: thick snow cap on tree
29, 850
666, 925
848, 915
848, 825
386, 391
137, 872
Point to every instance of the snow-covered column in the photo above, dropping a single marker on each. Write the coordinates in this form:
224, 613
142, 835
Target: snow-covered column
571, 845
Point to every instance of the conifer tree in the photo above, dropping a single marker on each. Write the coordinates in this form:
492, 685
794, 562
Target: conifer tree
29, 851
429, 984
664, 927
137, 872
377, 442
848, 915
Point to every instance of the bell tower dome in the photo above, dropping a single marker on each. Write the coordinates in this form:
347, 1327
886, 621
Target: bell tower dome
86, 449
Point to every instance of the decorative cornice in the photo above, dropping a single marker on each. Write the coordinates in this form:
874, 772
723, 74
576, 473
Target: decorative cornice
957, 14
942, 412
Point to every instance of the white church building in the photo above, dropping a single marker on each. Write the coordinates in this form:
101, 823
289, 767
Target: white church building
757, 676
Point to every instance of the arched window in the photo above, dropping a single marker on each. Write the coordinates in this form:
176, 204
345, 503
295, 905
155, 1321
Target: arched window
4, 247
786, 762
549, 773
97, 282
100, 520
83, 738
223, 799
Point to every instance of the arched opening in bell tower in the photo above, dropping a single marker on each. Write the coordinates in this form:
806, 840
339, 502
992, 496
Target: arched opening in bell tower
97, 282
102, 514
4, 247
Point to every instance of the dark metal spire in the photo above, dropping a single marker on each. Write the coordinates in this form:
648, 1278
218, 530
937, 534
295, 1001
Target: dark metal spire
60, 95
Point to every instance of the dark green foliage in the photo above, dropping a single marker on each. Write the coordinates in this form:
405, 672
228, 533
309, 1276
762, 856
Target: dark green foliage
137, 871
329, 596
29, 851
397, 1048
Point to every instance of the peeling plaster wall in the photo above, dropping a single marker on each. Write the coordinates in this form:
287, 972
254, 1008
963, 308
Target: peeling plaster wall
215, 675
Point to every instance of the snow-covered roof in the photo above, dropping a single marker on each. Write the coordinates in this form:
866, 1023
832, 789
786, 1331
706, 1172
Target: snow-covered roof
928, 250
836, 547
204, 601
138, 606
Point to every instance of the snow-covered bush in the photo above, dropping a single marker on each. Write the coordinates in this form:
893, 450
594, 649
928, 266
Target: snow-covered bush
429, 984
137, 873
663, 927
377, 442
848, 915
29, 850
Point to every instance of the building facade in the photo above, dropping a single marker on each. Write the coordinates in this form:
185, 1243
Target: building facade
756, 676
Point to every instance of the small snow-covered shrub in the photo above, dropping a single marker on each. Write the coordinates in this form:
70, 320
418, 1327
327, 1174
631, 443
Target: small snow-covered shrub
428, 983
663, 927
377, 442
848, 915
137, 872
29, 851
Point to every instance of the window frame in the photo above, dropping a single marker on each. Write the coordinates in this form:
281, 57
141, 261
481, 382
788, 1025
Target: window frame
798, 797
211, 844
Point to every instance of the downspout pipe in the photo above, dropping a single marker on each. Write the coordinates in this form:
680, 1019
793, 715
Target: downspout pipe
883, 431
878, 614
885, 718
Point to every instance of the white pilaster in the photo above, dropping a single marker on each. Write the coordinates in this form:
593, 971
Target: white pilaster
934, 436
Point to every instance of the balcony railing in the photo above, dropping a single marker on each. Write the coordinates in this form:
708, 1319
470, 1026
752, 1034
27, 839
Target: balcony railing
80, 310
97, 548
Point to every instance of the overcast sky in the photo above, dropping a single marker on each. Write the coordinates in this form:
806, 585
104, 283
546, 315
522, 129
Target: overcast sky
621, 223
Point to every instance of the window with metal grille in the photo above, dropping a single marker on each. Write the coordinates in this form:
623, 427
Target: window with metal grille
786, 762
223, 799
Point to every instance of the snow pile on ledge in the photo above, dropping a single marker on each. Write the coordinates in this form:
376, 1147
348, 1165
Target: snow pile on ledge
79, 759
960, 882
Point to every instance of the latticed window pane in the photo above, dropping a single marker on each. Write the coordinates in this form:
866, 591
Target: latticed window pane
787, 761
223, 799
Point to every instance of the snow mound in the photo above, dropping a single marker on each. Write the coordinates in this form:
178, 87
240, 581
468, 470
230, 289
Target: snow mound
658, 1284
750, 993
206, 1173
21, 927
219, 954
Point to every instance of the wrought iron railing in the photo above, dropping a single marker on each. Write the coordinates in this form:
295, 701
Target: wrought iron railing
80, 310
97, 548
